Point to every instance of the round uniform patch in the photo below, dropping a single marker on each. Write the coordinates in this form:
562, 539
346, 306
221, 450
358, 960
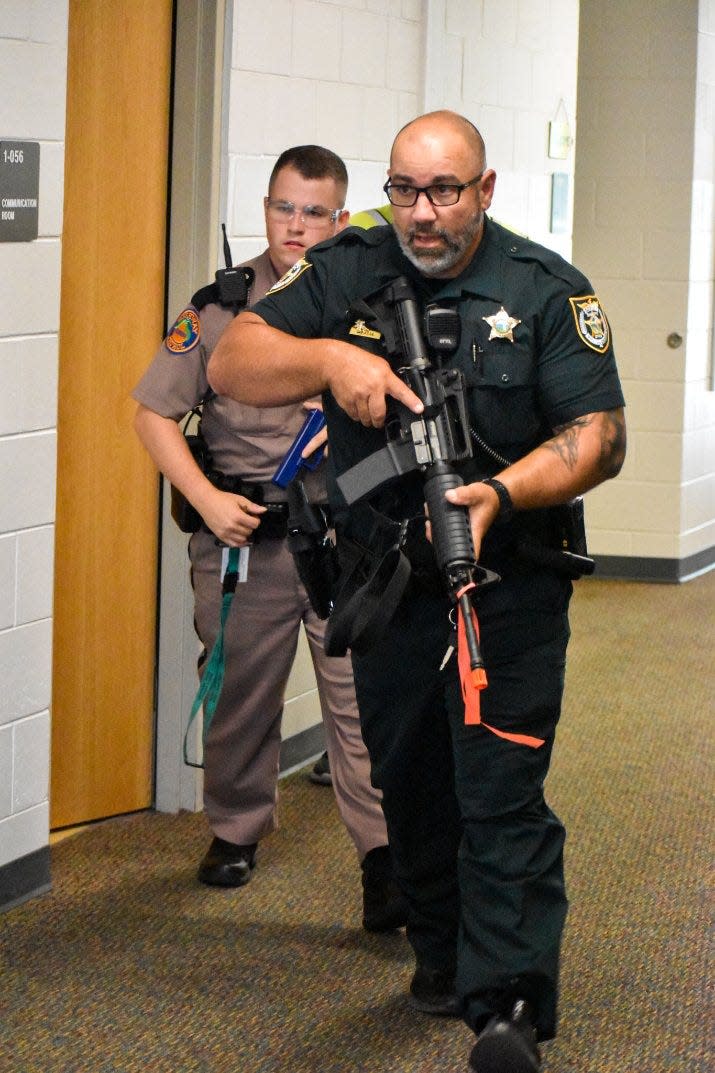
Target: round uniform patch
591, 323
291, 275
185, 333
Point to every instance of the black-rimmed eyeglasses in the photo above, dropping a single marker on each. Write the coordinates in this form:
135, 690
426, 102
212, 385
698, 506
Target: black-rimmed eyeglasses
404, 195
311, 215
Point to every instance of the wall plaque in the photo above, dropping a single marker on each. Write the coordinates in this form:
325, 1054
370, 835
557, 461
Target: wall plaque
19, 190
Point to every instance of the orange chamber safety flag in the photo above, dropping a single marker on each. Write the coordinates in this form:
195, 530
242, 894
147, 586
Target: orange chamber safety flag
474, 680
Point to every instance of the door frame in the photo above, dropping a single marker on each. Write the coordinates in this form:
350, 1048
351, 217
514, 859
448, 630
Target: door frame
198, 169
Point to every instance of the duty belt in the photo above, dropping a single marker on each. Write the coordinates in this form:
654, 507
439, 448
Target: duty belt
274, 520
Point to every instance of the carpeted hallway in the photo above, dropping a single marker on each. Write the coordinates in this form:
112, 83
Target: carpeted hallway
130, 966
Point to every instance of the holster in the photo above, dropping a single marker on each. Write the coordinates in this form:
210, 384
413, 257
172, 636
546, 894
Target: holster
562, 547
312, 549
184, 514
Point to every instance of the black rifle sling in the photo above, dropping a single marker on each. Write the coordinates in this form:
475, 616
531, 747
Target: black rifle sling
361, 612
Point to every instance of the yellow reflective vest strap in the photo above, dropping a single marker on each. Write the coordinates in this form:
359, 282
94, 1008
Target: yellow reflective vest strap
367, 218
372, 217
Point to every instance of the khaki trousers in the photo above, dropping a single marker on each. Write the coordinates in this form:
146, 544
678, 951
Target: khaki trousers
242, 752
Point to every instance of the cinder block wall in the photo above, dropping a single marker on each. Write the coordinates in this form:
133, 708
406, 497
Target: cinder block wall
33, 75
644, 219
344, 75
349, 74
511, 68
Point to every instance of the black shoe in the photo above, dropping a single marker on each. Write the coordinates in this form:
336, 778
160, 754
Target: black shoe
383, 905
320, 772
432, 991
507, 1044
227, 865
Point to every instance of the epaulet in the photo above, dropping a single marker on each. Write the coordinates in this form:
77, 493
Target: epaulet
520, 248
354, 236
208, 295
361, 236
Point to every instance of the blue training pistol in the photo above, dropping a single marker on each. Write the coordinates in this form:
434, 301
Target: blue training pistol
293, 462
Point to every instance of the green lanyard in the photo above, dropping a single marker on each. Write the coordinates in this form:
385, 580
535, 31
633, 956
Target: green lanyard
212, 678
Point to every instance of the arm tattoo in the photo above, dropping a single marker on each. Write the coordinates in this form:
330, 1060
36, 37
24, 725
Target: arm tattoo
565, 440
613, 442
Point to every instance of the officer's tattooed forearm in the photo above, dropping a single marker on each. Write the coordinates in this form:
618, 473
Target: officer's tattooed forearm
565, 442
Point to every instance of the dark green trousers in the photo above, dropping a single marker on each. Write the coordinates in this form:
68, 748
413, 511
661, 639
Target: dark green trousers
476, 848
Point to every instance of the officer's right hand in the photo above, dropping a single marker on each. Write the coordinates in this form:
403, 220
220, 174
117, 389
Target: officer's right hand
321, 438
361, 382
232, 518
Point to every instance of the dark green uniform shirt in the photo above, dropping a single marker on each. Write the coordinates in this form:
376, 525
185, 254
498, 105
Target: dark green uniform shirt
535, 345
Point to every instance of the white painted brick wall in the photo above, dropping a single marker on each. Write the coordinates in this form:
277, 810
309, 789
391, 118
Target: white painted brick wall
348, 75
33, 38
507, 66
341, 74
644, 234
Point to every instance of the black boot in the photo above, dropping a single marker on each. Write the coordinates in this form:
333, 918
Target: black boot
227, 864
432, 991
320, 771
507, 1044
384, 906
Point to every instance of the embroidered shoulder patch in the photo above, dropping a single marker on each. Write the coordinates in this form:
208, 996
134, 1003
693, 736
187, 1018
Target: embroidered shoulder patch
185, 332
291, 275
591, 323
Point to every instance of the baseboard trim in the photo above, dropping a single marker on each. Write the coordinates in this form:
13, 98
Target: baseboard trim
669, 571
25, 878
298, 749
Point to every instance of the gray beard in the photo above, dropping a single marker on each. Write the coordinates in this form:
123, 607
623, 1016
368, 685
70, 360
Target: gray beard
436, 264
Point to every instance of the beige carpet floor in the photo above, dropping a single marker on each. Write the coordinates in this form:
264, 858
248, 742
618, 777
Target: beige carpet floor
130, 966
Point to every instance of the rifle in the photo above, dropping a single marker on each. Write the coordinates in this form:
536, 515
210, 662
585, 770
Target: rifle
431, 442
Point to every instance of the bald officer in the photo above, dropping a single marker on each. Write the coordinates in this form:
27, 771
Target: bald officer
476, 848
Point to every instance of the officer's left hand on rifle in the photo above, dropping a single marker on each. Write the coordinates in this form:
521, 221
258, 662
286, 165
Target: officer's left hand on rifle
483, 510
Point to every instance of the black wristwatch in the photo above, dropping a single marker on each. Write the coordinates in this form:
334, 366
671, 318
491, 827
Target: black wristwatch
506, 506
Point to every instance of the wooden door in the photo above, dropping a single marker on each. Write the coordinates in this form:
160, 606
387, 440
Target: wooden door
111, 319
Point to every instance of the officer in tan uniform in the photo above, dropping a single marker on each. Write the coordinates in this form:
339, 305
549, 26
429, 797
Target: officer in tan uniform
306, 195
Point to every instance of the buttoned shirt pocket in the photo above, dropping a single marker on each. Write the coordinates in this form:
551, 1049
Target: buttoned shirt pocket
502, 387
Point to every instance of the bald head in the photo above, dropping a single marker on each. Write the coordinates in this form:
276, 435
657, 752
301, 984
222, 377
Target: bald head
435, 128
440, 188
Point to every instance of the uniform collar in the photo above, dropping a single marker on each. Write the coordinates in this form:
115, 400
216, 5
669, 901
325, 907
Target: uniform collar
393, 264
482, 276
265, 269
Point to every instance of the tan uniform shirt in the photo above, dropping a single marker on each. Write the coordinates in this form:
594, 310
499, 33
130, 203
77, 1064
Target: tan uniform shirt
244, 441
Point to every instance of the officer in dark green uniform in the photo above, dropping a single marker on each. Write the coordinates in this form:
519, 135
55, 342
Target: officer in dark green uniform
477, 849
